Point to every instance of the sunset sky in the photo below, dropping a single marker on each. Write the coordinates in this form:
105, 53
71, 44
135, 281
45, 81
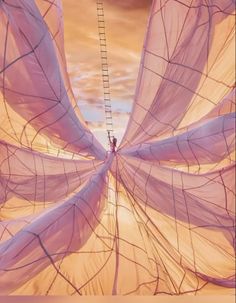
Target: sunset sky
125, 27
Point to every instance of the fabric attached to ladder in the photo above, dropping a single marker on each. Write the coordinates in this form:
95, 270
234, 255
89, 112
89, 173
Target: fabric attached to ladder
156, 214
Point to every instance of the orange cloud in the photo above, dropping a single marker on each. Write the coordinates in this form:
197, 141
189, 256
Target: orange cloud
125, 34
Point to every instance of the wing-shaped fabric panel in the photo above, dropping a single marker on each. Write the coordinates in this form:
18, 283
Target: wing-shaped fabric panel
53, 235
34, 177
201, 200
186, 67
40, 96
211, 142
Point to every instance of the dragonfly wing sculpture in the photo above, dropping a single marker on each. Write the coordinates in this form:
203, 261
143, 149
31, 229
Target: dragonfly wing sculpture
154, 217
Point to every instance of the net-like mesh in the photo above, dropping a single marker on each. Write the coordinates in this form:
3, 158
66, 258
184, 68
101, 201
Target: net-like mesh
154, 217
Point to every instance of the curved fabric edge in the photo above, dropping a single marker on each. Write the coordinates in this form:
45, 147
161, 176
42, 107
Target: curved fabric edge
182, 74
211, 142
53, 235
202, 200
41, 97
52, 13
33, 176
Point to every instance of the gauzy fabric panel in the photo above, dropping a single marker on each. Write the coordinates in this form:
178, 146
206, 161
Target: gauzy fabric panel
40, 96
32, 176
155, 217
211, 142
186, 68
59, 231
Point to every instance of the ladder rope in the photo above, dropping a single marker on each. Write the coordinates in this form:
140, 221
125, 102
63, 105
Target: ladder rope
104, 68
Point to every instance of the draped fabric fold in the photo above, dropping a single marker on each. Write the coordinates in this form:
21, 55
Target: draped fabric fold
211, 142
157, 215
186, 67
185, 197
52, 13
41, 96
53, 235
31, 176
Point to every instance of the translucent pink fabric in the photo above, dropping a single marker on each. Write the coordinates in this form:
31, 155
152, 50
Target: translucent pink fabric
29, 52
157, 216
182, 68
31, 176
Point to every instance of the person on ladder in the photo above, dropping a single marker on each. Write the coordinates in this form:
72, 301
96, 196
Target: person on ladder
112, 142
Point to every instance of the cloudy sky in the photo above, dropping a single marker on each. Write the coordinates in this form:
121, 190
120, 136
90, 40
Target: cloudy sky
125, 26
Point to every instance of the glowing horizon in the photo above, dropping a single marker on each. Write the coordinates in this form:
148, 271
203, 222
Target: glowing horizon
125, 30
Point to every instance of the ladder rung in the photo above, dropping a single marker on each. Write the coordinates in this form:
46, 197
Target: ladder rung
104, 66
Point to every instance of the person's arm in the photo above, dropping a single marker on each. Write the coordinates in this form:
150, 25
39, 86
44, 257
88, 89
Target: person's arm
114, 141
109, 136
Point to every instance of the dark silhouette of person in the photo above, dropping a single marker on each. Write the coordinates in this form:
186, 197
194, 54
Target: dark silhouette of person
113, 142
